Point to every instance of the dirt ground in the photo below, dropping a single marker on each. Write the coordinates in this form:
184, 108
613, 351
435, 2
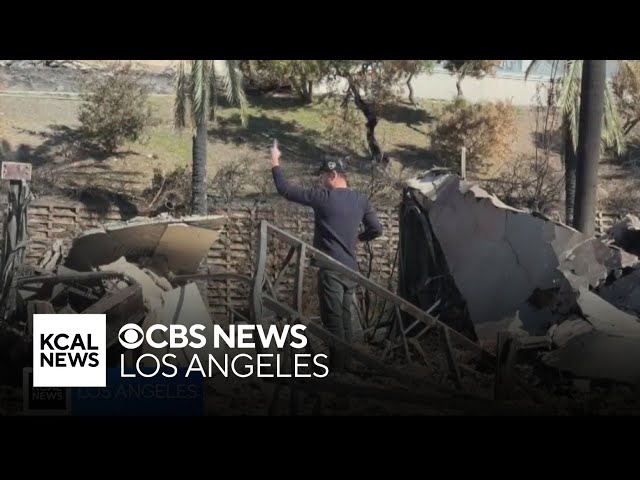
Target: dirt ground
44, 131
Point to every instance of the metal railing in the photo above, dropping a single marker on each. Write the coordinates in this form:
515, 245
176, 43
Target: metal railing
301, 250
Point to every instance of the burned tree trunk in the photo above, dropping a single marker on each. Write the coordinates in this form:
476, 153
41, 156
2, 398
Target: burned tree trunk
459, 85
304, 89
309, 92
412, 99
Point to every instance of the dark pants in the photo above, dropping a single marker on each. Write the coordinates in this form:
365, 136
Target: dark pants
336, 299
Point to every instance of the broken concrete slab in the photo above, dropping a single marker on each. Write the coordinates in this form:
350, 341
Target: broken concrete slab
185, 247
599, 355
624, 293
605, 317
560, 334
499, 256
162, 282
626, 234
151, 292
141, 237
600, 345
594, 260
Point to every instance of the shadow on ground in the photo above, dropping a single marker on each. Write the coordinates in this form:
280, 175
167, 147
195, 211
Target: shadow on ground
305, 145
64, 165
411, 156
410, 116
62, 142
100, 201
554, 140
615, 176
277, 102
626, 165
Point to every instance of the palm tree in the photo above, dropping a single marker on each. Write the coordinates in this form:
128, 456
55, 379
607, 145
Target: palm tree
196, 90
569, 103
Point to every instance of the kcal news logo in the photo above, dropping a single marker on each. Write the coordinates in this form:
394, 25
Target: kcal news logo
69, 350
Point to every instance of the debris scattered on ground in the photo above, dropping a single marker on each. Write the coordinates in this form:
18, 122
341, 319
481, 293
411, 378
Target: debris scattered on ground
626, 234
563, 307
521, 272
123, 270
151, 292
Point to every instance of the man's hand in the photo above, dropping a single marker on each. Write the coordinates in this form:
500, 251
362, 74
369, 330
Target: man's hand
275, 154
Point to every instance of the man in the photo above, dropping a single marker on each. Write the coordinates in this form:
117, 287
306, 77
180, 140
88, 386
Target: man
338, 213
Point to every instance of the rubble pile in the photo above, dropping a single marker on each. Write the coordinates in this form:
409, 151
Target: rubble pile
126, 271
523, 273
485, 268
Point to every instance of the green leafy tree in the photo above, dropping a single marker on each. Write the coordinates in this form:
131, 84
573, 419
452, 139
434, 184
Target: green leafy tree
115, 108
469, 68
370, 84
302, 75
412, 69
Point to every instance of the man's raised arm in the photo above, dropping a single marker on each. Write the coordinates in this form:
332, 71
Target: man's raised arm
304, 196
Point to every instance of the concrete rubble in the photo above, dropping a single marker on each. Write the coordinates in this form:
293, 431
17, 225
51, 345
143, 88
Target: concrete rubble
524, 273
174, 244
504, 269
623, 291
626, 234
144, 255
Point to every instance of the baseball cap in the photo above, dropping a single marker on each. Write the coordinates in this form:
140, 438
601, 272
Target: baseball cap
332, 165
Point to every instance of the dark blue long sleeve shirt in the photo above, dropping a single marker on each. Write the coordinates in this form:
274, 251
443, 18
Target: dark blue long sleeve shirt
338, 214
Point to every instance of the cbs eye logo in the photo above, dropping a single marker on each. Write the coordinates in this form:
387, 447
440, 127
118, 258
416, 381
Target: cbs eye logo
131, 336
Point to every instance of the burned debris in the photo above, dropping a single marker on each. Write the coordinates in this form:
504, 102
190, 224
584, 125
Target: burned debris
124, 270
491, 299
520, 273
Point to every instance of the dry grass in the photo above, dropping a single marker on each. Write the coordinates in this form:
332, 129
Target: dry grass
41, 131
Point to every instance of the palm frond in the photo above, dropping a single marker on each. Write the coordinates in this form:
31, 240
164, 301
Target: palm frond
213, 93
532, 65
612, 136
232, 83
182, 96
569, 98
199, 91
569, 103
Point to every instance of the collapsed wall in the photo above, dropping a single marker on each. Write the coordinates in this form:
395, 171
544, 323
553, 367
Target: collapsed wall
521, 272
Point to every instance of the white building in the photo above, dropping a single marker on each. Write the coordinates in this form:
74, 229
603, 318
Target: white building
508, 83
